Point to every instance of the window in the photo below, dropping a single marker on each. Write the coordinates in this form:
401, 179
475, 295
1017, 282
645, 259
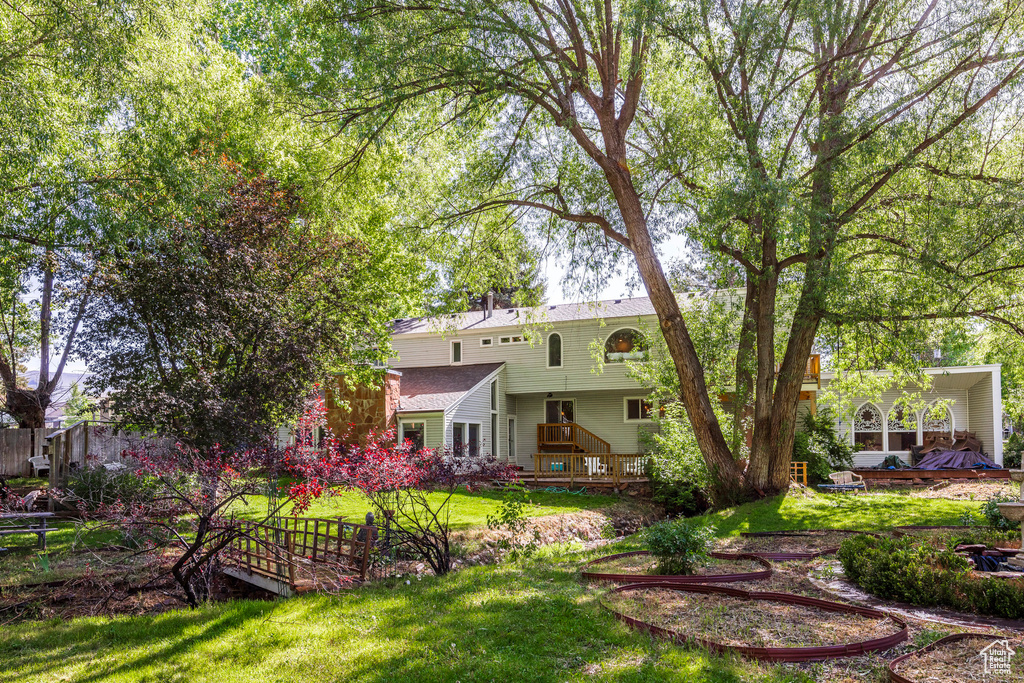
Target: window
554, 350
513, 339
456, 352
494, 434
938, 419
415, 432
494, 395
902, 429
511, 439
867, 428
637, 409
487, 341
474, 440
625, 344
458, 437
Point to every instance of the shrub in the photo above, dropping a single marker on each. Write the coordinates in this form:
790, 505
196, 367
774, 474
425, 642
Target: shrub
821, 447
911, 570
511, 517
679, 545
1012, 451
679, 477
95, 485
995, 517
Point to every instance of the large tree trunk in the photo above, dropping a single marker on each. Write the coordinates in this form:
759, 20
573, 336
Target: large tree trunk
28, 406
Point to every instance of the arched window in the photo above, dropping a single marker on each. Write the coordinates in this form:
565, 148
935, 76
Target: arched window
624, 344
867, 428
938, 419
902, 429
554, 350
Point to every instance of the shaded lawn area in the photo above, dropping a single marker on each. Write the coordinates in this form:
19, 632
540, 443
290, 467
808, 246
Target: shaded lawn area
468, 509
509, 622
64, 553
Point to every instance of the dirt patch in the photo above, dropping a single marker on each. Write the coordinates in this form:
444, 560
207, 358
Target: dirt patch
804, 542
754, 623
646, 564
961, 661
971, 489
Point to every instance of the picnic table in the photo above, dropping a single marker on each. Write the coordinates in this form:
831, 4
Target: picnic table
35, 523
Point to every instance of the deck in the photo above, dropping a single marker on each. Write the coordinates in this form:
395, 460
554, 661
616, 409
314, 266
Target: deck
589, 469
931, 475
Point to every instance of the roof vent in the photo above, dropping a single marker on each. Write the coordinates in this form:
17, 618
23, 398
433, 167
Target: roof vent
490, 304
551, 308
618, 301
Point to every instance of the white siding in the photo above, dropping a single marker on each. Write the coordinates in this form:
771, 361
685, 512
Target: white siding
981, 417
476, 408
526, 365
433, 424
598, 412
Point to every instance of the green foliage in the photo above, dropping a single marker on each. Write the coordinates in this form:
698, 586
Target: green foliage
95, 485
680, 545
996, 519
821, 447
678, 474
1012, 451
511, 517
910, 570
79, 406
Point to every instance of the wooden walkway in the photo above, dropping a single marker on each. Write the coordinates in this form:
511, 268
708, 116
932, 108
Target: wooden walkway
300, 554
589, 469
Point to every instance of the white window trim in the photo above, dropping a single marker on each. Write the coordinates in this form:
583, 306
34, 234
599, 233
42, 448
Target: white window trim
885, 430
479, 438
465, 433
625, 408
513, 441
509, 337
451, 352
409, 420
561, 351
604, 347
486, 341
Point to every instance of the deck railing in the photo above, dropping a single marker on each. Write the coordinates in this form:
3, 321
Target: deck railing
570, 435
617, 467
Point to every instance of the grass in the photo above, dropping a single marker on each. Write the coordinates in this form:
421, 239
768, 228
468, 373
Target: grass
467, 509
531, 621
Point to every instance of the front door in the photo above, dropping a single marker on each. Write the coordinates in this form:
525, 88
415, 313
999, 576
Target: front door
560, 410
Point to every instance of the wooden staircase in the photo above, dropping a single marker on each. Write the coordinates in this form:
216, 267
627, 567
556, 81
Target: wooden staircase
569, 437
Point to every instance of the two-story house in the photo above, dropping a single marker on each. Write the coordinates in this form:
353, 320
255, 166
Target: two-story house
478, 381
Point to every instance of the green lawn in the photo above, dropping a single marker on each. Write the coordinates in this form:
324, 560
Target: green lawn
511, 622
467, 509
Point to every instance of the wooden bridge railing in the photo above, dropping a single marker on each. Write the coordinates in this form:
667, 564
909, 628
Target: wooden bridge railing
570, 434
298, 544
582, 466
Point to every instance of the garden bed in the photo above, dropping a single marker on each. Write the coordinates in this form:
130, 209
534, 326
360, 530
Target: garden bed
638, 567
771, 626
956, 659
787, 545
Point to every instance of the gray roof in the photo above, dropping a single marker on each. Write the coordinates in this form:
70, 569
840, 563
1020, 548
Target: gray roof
505, 317
436, 388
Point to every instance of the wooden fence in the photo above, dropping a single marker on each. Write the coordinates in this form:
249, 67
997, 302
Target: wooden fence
76, 445
291, 551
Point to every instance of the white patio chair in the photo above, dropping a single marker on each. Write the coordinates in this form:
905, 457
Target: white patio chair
39, 462
848, 479
595, 466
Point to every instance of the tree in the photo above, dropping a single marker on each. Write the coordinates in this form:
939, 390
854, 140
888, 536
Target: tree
819, 147
216, 328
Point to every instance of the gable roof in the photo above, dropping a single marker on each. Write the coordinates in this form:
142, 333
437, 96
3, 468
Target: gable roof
516, 317
437, 388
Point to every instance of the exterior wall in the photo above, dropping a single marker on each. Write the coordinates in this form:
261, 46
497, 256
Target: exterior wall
476, 407
959, 410
982, 418
433, 424
599, 412
526, 365
353, 413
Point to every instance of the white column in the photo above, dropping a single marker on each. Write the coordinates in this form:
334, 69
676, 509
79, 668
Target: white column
997, 416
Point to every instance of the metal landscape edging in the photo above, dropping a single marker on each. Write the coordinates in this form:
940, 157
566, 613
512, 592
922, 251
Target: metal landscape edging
896, 678
679, 578
772, 654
